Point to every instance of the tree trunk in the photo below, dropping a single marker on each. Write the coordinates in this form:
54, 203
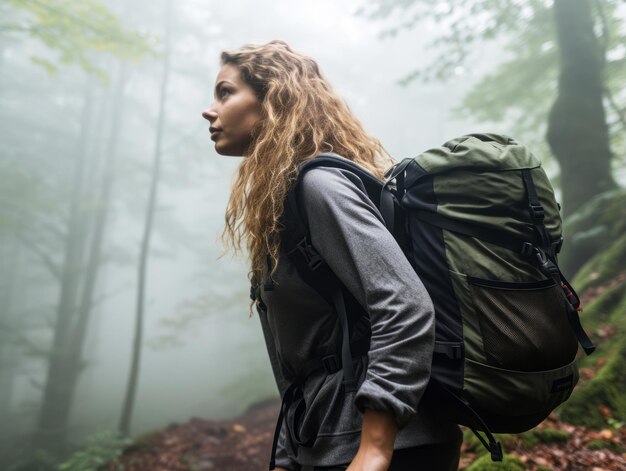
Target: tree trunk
127, 412
52, 424
577, 128
73, 359
10, 251
99, 230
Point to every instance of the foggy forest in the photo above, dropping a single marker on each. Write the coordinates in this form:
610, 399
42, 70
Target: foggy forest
127, 338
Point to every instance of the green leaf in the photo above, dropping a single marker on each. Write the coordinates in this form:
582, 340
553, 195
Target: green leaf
77, 30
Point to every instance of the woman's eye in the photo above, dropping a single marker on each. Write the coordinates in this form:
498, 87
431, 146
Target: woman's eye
224, 92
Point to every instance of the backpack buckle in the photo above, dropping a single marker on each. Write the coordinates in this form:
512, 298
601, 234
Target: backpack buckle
453, 351
331, 364
546, 264
456, 352
312, 258
315, 261
541, 257
537, 212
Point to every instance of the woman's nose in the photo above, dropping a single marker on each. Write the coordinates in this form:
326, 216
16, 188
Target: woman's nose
209, 114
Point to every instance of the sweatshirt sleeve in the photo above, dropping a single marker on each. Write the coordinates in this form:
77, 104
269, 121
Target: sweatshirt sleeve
349, 233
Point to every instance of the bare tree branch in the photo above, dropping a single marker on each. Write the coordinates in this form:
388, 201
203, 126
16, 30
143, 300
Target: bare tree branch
48, 262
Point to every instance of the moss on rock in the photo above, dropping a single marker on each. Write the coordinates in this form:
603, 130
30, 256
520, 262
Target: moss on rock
606, 389
592, 402
593, 228
618, 448
603, 308
603, 266
509, 463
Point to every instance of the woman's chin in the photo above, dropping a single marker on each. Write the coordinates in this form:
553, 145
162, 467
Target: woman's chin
227, 152
220, 148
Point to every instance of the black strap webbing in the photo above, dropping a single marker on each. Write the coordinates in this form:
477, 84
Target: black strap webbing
349, 378
331, 364
573, 307
582, 337
474, 420
387, 209
286, 402
536, 211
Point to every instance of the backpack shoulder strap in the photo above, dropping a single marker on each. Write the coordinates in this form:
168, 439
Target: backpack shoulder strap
310, 265
379, 192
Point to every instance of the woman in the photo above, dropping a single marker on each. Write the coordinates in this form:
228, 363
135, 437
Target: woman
273, 106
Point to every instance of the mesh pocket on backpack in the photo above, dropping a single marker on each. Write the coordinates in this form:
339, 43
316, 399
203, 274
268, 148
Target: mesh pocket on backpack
524, 326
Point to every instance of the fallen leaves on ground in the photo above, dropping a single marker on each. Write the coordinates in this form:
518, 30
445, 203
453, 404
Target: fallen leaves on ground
591, 294
244, 444
202, 445
585, 450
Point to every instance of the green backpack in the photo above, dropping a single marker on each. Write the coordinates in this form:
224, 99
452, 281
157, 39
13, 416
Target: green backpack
479, 223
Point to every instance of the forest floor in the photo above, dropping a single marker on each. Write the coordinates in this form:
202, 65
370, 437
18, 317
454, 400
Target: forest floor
244, 444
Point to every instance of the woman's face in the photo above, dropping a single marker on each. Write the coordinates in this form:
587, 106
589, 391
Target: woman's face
234, 113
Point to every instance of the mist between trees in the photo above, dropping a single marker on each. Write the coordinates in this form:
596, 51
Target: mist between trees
116, 311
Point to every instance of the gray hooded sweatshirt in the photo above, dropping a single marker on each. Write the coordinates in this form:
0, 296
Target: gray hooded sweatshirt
298, 324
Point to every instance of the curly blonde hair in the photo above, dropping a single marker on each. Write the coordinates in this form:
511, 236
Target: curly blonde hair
301, 117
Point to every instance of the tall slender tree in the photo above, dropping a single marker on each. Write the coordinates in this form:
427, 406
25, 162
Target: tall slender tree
133, 377
53, 415
86, 227
66, 363
10, 252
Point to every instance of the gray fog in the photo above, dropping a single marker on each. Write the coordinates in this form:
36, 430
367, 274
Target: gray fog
202, 353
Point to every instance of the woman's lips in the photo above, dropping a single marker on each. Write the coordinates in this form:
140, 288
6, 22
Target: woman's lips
214, 132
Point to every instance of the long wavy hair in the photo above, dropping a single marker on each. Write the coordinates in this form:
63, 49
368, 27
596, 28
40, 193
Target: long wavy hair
301, 117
